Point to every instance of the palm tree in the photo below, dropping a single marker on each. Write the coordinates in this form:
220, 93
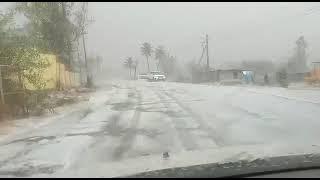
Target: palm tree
128, 63
160, 54
146, 51
135, 65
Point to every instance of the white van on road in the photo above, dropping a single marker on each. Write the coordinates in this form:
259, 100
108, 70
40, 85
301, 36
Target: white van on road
156, 76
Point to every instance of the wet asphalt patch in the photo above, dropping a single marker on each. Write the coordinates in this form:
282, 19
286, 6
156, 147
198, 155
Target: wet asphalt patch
33, 139
30, 170
122, 106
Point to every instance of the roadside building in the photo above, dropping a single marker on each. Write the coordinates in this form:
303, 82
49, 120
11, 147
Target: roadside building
297, 73
314, 75
226, 74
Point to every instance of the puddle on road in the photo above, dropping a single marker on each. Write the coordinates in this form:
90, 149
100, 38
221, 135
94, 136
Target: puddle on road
122, 106
170, 113
175, 114
33, 139
145, 154
150, 109
94, 134
119, 87
46, 139
113, 128
151, 133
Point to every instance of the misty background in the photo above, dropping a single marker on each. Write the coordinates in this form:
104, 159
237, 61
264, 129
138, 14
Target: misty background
237, 31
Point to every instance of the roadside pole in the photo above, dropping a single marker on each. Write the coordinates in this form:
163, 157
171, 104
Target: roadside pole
207, 47
1, 90
79, 64
208, 62
1, 87
88, 83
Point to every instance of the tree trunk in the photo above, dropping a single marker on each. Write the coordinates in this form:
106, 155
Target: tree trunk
158, 65
1, 90
70, 81
20, 80
57, 84
148, 63
135, 72
89, 80
80, 74
130, 72
22, 102
74, 78
60, 86
65, 77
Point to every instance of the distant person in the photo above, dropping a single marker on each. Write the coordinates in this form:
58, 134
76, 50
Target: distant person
246, 76
249, 77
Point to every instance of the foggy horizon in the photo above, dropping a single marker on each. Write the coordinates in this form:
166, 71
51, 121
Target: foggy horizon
237, 31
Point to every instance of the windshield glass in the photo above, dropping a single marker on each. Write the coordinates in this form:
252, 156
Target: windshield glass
109, 89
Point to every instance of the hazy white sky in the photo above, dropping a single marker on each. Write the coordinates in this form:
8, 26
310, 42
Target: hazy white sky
236, 31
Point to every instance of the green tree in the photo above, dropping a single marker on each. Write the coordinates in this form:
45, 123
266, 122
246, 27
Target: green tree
81, 20
26, 63
81, 24
146, 51
47, 25
23, 60
6, 21
54, 26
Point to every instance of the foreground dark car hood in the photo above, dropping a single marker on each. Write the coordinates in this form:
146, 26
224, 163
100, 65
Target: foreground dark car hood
241, 168
217, 162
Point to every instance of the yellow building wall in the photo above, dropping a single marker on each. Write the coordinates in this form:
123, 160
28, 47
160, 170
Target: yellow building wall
51, 75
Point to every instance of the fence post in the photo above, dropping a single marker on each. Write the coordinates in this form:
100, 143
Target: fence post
1, 89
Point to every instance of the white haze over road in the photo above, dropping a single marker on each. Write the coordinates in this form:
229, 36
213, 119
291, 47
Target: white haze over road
237, 31
126, 126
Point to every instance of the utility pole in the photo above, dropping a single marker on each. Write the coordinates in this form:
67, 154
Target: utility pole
97, 64
79, 61
208, 62
1, 88
86, 62
83, 32
68, 59
207, 48
80, 64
